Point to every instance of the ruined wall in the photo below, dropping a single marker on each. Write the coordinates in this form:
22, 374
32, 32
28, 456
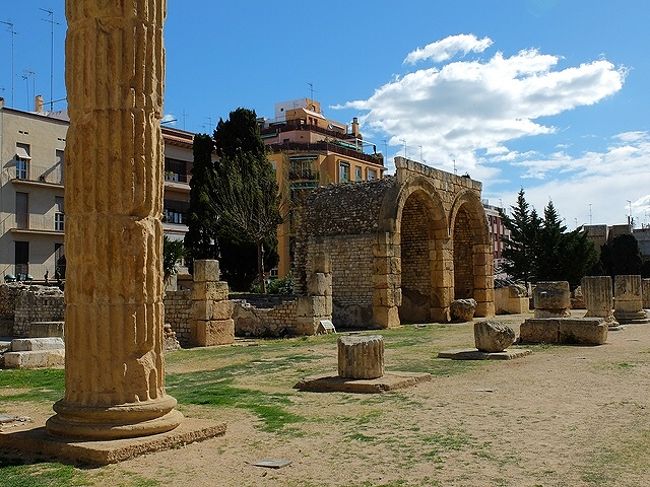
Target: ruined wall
251, 321
178, 308
37, 303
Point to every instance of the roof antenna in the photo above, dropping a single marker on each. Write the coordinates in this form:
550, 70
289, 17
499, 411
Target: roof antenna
52, 23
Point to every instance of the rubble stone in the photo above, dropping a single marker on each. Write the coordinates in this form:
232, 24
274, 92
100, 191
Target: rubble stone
490, 336
462, 310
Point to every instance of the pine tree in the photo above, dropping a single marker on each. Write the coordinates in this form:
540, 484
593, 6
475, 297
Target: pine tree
549, 246
201, 240
621, 256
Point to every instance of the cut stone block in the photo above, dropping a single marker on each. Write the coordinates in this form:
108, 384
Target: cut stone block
210, 291
463, 310
35, 344
206, 270
222, 310
215, 332
325, 327
490, 336
473, 354
34, 360
46, 329
320, 284
552, 299
361, 357
629, 300
579, 331
388, 382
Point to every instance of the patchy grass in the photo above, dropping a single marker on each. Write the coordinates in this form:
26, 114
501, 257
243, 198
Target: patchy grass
39, 385
41, 475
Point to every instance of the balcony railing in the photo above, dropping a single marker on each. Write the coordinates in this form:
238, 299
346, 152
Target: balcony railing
328, 146
174, 177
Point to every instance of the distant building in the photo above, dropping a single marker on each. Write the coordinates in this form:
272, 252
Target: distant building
601, 234
308, 150
32, 177
498, 232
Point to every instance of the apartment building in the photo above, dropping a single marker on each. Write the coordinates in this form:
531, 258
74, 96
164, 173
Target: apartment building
308, 150
32, 177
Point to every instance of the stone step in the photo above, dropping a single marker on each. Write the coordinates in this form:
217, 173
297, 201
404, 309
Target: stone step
36, 344
34, 359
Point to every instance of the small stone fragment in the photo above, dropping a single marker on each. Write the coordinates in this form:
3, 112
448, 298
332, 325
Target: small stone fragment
462, 310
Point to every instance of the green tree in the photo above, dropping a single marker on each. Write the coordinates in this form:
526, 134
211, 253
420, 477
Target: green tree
173, 252
246, 200
549, 247
577, 257
621, 256
201, 239
520, 248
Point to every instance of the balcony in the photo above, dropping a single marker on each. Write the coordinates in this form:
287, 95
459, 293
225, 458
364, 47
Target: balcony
40, 183
377, 159
177, 181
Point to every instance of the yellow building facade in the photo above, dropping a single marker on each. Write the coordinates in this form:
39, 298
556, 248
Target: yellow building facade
307, 150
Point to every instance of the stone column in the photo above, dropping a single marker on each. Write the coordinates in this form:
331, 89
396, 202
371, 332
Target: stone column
552, 299
361, 357
317, 305
645, 284
114, 375
212, 322
387, 293
629, 300
597, 292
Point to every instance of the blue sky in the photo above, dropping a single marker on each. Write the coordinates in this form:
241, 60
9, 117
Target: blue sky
546, 94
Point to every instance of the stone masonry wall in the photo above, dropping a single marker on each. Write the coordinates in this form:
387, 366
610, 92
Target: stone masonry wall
251, 321
463, 271
178, 309
37, 303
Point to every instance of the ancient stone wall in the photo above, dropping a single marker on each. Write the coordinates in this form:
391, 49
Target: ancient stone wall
463, 263
278, 321
178, 310
36, 303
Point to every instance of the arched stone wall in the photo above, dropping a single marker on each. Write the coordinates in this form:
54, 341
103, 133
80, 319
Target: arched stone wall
472, 261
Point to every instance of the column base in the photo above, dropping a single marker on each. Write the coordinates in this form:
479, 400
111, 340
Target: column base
115, 422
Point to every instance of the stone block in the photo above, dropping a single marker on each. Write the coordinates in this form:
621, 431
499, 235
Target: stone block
206, 270
305, 326
361, 357
319, 284
645, 287
215, 291
322, 263
491, 336
201, 310
384, 281
215, 332
46, 329
310, 306
462, 310
483, 294
36, 344
484, 309
585, 331
387, 297
34, 359
540, 331
222, 310
552, 299
385, 316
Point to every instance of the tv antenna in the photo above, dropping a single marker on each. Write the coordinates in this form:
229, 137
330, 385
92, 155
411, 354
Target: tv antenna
28, 73
13, 33
403, 141
311, 91
52, 23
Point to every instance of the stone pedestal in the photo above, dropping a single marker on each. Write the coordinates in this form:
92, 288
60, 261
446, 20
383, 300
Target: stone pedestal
599, 300
645, 285
552, 299
361, 357
317, 305
114, 377
629, 300
212, 322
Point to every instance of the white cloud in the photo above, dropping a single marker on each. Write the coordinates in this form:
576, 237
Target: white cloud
169, 120
449, 47
463, 107
605, 180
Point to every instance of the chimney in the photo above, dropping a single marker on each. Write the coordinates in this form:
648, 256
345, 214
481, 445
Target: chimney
2, 102
38, 104
355, 127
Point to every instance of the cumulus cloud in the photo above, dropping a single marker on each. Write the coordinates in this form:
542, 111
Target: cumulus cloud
449, 47
606, 180
465, 108
169, 120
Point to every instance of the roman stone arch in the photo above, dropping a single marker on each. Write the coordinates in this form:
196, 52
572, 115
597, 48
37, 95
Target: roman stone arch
472, 252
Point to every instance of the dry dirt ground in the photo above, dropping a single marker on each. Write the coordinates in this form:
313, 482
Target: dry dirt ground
563, 416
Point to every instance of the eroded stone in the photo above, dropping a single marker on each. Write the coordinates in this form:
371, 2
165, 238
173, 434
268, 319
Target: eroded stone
490, 336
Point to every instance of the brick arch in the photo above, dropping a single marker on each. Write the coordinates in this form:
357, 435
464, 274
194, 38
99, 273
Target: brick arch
472, 252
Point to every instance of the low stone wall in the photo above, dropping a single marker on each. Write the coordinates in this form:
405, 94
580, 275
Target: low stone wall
8, 293
263, 300
277, 321
178, 309
37, 303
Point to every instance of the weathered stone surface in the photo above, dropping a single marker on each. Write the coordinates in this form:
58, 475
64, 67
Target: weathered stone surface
645, 284
580, 331
599, 299
206, 270
510, 300
473, 354
361, 357
490, 336
387, 382
552, 299
320, 284
462, 309
169, 339
47, 329
629, 300
34, 359
114, 199
215, 332
36, 344
578, 299
213, 290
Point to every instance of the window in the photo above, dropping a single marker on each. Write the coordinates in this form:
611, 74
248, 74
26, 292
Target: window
175, 170
22, 210
344, 172
372, 174
22, 161
59, 261
301, 168
357, 173
60, 165
21, 258
59, 216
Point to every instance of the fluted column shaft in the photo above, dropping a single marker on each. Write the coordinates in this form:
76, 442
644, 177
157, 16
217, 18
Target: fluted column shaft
114, 192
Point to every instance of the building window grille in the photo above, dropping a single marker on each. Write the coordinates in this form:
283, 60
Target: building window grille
344, 172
